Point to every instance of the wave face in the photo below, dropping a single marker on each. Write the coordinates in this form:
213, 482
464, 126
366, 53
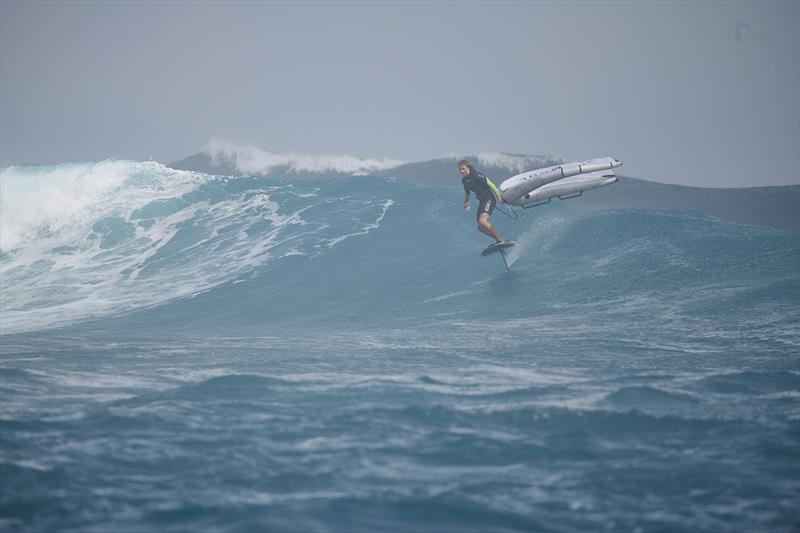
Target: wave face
83, 241
185, 351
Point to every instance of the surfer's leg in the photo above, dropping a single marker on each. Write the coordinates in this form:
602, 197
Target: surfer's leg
486, 228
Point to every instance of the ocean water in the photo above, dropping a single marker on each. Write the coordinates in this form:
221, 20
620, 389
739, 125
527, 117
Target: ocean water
184, 352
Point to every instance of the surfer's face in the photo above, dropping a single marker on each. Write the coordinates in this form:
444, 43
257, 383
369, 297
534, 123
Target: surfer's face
464, 169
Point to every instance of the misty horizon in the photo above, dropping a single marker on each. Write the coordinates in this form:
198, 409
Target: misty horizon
701, 93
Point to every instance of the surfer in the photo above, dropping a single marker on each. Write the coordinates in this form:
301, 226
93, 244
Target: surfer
487, 195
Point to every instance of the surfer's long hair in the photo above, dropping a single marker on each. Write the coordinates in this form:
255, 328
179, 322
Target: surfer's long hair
467, 164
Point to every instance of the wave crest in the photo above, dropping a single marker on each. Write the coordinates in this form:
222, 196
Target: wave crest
251, 160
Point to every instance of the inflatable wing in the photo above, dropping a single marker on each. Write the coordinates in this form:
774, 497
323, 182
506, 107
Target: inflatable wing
539, 186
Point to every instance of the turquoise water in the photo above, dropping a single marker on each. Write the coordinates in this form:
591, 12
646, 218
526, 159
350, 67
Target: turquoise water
183, 352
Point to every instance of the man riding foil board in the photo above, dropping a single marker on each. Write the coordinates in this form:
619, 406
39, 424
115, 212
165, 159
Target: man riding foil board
487, 194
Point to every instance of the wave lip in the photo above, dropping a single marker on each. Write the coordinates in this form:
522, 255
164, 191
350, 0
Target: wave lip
48, 198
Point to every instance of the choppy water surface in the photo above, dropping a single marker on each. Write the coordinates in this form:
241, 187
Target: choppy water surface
183, 352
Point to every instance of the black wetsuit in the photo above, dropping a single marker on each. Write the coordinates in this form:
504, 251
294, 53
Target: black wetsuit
483, 189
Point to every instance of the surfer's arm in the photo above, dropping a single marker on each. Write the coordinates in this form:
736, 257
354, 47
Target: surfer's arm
494, 189
466, 201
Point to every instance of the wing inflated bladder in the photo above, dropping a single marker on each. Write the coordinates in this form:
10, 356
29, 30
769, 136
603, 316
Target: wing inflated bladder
541, 185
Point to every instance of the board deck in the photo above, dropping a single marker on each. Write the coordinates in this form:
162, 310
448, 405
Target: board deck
496, 247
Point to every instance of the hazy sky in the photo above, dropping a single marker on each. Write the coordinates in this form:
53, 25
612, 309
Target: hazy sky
703, 93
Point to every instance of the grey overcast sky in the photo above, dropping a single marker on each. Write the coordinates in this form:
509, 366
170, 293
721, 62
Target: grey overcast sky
689, 92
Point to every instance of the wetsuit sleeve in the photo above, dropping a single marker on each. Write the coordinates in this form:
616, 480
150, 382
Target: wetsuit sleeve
466, 192
493, 187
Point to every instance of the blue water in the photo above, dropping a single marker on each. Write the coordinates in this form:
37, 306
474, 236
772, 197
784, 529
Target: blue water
183, 352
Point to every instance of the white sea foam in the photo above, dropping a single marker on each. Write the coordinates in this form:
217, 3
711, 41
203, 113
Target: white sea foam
57, 267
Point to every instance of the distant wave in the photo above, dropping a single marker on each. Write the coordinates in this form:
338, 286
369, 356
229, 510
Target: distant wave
517, 163
250, 160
